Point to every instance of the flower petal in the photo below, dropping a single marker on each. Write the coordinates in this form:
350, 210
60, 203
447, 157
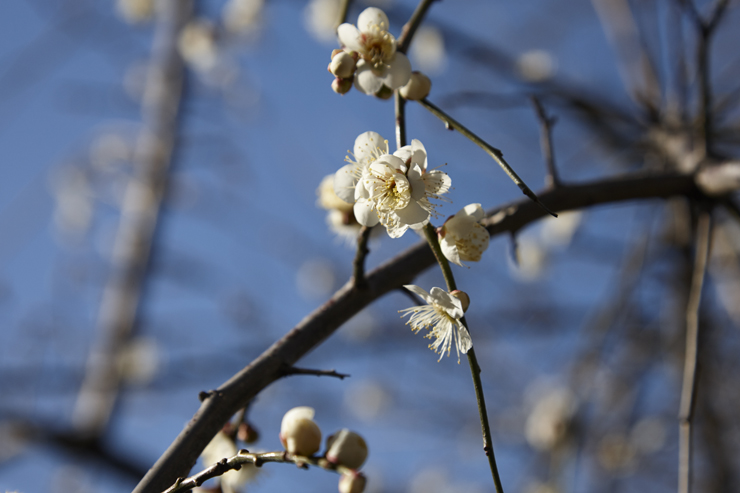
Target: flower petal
365, 80
418, 187
372, 18
344, 183
412, 213
422, 293
398, 73
452, 305
365, 145
437, 182
350, 37
449, 249
474, 210
364, 213
464, 341
419, 154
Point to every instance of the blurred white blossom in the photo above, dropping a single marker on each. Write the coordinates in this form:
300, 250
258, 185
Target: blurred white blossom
135, 11
242, 17
550, 419
536, 66
559, 231
197, 45
320, 18
139, 360
428, 50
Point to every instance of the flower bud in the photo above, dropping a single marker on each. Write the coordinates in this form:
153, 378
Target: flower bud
346, 448
417, 87
298, 433
341, 86
342, 65
463, 297
352, 483
384, 92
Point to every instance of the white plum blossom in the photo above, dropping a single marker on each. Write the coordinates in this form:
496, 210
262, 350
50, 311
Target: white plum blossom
441, 316
346, 448
379, 64
393, 189
462, 237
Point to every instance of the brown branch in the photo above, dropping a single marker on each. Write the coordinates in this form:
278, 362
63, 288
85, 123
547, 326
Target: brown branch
138, 221
409, 29
358, 265
546, 123
319, 325
244, 457
690, 380
292, 370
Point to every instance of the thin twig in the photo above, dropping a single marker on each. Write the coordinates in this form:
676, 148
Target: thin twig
244, 457
409, 29
292, 370
400, 121
342, 14
358, 265
431, 236
546, 123
690, 368
495, 153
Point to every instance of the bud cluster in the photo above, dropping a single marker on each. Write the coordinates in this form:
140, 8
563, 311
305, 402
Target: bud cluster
300, 435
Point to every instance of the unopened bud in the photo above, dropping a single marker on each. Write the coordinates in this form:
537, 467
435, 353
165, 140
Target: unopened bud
352, 483
417, 87
341, 86
298, 433
342, 65
346, 448
463, 297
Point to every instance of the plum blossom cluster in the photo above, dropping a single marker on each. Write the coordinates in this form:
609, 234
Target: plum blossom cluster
300, 435
370, 60
391, 189
442, 317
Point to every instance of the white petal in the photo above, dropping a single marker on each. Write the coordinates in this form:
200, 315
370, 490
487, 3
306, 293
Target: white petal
419, 155
476, 242
418, 187
350, 37
365, 80
398, 73
464, 341
361, 191
404, 153
412, 213
452, 305
366, 143
344, 183
437, 182
393, 162
449, 249
420, 292
372, 17
474, 210
396, 228
365, 214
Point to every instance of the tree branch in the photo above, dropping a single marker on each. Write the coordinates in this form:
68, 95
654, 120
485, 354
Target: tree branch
219, 406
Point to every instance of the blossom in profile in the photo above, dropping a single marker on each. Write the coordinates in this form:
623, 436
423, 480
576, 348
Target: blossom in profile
347, 448
299, 434
222, 447
393, 189
462, 237
441, 316
379, 63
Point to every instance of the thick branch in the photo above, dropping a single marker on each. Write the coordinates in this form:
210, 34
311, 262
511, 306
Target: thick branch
319, 325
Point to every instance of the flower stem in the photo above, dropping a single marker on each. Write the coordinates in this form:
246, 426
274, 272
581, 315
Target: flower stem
431, 235
495, 153
409, 29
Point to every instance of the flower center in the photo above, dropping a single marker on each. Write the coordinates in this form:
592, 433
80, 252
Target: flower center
380, 46
391, 192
